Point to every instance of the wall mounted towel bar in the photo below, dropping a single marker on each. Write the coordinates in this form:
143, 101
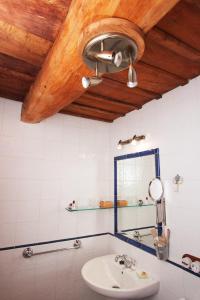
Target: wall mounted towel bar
28, 252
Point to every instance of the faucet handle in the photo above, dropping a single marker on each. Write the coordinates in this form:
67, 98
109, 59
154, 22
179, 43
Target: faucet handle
118, 257
130, 262
123, 257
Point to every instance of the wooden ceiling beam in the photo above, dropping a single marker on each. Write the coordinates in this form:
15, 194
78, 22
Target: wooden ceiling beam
168, 41
22, 45
59, 81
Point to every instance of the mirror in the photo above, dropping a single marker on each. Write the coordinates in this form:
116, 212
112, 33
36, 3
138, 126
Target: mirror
156, 189
135, 210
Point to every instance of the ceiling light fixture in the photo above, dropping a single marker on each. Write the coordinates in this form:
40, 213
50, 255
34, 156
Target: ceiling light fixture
92, 81
132, 77
108, 56
113, 52
132, 141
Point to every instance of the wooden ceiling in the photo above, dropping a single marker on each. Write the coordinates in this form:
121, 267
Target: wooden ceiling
172, 57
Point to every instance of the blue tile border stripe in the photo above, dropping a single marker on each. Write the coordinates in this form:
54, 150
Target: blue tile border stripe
151, 251
125, 239
128, 156
53, 241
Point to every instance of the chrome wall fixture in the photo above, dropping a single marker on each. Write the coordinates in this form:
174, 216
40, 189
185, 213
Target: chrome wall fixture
110, 53
28, 252
132, 141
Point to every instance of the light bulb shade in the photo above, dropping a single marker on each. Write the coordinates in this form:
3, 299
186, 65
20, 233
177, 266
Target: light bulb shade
133, 142
119, 145
109, 57
132, 77
118, 59
91, 81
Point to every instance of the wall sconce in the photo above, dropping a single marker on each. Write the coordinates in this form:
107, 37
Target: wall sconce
132, 141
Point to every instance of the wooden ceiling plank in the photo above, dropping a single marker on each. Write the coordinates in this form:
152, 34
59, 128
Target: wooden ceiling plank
188, 30
18, 65
112, 100
86, 108
59, 81
164, 59
168, 41
118, 90
39, 17
8, 73
162, 72
86, 116
151, 78
102, 104
9, 94
78, 109
22, 45
15, 81
136, 91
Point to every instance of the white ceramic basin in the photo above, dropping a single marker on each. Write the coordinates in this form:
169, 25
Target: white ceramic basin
109, 278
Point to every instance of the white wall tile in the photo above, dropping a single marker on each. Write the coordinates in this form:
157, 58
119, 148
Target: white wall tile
55, 276
44, 167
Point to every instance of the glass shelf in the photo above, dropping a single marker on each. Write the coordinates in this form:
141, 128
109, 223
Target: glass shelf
99, 208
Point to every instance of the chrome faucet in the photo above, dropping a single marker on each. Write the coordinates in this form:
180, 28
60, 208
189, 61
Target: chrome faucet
137, 235
126, 261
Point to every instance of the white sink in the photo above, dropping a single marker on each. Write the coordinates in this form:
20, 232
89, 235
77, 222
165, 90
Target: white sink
107, 277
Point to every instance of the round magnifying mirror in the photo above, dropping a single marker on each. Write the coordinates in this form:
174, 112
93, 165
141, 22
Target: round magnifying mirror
156, 189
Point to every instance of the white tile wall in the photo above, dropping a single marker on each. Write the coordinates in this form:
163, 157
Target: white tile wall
45, 166
172, 125
54, 276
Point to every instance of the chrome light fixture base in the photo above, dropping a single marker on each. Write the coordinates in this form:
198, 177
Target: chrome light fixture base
111, 50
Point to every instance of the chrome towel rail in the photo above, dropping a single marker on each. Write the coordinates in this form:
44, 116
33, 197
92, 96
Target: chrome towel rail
28, 252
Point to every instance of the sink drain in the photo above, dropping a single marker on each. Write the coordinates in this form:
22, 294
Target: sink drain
115, 287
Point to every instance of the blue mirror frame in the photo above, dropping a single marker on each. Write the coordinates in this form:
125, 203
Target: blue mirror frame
154, 152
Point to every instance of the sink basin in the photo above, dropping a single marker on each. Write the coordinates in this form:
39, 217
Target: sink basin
107, 277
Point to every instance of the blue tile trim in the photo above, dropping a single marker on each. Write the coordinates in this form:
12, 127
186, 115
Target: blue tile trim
136, 243
183, 268
157, 162
115, 198
54, 241
151, 251
121, 237
128, 156
137, 154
